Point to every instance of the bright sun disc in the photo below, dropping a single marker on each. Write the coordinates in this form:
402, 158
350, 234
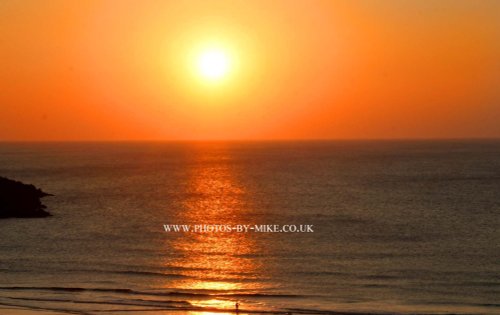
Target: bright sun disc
213, 64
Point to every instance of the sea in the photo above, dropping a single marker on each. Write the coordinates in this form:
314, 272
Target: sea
358, 227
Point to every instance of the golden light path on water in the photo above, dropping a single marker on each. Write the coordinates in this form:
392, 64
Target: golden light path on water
214, 262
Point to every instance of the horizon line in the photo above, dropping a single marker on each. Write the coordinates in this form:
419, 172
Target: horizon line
496, 138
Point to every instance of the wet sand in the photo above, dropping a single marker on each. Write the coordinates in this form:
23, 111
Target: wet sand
23, 311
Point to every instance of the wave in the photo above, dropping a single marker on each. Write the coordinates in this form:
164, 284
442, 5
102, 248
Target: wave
205, 309
130, 302
150, 305
135, 299
124, 272
148, 293
145, 273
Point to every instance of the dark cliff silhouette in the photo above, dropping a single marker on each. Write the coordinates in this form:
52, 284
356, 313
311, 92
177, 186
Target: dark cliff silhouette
18, 200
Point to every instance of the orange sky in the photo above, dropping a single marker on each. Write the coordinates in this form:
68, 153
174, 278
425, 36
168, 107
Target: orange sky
121, 70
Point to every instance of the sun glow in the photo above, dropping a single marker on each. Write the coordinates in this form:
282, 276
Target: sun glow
213, 64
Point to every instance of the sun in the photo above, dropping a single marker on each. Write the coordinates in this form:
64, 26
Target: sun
213, 64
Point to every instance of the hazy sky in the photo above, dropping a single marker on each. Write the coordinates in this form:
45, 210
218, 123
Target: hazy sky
118, 70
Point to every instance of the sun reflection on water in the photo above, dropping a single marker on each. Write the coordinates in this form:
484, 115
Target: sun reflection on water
209, 313
217, 262
214, 303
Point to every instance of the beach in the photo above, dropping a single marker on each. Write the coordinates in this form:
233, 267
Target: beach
21, 311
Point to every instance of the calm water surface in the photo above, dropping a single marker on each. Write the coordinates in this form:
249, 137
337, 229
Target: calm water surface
400, 227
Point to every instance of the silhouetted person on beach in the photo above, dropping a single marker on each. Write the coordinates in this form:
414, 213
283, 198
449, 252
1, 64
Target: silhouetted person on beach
237, 307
